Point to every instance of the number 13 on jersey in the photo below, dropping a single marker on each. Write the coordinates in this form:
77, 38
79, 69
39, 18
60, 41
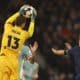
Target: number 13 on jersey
13, 42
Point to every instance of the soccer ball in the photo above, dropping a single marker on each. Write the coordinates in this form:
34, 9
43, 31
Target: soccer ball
29, 11
26, 11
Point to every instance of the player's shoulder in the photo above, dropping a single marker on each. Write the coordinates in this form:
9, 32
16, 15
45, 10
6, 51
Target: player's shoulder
25, 47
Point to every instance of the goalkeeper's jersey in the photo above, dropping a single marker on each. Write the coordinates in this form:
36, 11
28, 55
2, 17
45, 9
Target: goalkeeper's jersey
13, 40
14, 37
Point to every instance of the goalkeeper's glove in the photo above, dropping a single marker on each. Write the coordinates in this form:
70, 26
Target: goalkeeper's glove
34, 14
23, 9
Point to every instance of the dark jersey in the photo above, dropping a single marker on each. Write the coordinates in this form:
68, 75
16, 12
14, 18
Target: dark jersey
75, 57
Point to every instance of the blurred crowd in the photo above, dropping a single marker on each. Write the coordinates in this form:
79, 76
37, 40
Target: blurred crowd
58, 22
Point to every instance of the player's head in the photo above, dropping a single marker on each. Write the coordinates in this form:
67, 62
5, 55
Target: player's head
25, 12
20, 21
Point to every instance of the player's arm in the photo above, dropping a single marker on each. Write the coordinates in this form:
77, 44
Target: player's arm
58, 52
11, 19
9, 22
31, 29
33, 49
62, 52
21, 12
32, 23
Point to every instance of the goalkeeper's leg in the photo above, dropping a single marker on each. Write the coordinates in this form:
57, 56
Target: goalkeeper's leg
4, 70
4, 74
15, 69
1, 75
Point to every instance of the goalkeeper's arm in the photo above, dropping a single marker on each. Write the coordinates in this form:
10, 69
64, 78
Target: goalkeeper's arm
9, 22
21, 12
11, 19
32, 23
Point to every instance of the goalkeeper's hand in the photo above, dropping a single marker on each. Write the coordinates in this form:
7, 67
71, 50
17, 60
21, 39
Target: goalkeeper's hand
34, 14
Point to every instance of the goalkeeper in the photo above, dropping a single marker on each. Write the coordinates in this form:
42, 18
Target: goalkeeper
14, 37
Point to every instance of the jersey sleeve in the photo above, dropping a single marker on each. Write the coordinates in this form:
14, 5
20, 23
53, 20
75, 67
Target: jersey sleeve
31, 28
71, 52
11, 19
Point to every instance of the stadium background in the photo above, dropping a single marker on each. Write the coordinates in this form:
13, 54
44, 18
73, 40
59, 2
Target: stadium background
58, 21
